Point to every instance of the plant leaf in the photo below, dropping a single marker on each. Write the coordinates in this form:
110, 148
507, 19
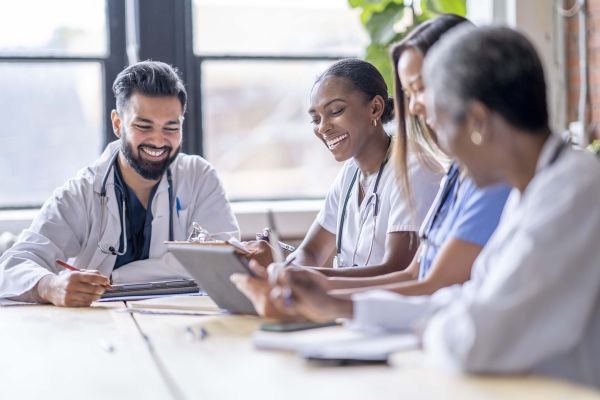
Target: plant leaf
380, 26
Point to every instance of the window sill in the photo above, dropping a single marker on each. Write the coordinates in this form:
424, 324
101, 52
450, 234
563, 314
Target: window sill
293, 217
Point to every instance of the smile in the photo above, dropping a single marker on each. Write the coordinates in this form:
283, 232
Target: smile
154, 152
333, 143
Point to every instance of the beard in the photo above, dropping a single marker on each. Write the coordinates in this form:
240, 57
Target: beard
151, 170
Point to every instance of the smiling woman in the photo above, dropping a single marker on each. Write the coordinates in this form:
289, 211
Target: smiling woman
366, 220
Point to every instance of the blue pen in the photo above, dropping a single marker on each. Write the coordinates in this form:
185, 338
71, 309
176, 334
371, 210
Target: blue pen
177, 205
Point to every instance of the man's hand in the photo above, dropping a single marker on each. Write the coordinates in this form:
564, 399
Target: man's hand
72, 289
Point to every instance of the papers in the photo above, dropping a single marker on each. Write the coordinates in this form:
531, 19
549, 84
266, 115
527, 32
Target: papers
367, 348
7, 302
336, 343
146, 296
146, 290
169, 312
178, 303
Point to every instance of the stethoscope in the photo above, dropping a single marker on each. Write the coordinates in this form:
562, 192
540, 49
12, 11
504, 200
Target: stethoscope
103, 200
449, 181
373, 201
434, 212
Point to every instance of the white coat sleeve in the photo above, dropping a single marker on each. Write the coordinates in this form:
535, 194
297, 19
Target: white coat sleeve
380, 310
57, 232
537, 299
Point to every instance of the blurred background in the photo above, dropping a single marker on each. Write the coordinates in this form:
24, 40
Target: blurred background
249, 66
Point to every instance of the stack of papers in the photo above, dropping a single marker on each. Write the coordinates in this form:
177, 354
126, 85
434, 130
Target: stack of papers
337, 343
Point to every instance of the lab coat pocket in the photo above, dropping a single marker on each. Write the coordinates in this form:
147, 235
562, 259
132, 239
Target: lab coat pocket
183, 224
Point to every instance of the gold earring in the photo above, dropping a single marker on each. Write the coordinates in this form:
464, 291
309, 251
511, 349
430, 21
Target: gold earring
476, 138
374, 122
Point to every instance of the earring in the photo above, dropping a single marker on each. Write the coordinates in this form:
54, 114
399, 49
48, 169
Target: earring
476, 138
374, 122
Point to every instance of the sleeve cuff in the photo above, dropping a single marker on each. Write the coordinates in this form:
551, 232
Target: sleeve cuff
380, 310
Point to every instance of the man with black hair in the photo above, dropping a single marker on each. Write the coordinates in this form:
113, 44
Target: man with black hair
113, 218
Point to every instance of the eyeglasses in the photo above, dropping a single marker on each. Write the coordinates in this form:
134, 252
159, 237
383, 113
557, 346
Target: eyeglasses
200, 235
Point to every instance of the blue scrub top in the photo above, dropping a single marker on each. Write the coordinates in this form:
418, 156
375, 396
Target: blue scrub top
467, 213
138, 223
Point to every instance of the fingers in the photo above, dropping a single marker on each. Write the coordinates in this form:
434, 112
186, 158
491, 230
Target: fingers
283, 300
240, 281
258, 270
91, 277
277, 274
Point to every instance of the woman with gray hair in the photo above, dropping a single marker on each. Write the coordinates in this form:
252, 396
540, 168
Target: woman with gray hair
532, 304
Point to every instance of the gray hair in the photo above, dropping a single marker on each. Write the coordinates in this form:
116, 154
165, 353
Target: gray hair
496, 66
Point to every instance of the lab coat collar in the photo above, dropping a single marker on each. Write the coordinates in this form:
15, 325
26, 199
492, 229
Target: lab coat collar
103, 164
548, 151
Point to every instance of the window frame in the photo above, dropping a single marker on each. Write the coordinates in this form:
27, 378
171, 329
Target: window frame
110, 65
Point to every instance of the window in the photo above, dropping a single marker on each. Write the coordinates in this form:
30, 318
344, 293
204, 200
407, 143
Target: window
51, 103
249, 67
258, 62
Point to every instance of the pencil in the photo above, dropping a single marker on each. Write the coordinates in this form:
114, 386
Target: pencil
72, 268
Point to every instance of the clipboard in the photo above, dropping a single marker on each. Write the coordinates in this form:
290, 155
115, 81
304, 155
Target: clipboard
235, 244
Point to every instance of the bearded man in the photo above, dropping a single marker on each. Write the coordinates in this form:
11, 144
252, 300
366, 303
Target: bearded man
111, 220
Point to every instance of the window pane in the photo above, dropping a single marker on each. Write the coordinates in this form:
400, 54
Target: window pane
277, 27
257, 129
51, 127
57, 27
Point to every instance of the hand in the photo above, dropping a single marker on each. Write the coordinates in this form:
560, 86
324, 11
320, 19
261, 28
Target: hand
72, 289
257, 289
299, 292
261, 251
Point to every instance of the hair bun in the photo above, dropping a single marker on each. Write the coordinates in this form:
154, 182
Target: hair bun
388, 111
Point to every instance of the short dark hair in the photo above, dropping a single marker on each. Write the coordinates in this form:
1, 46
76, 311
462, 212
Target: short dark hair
150, 78
497, 66
365, 78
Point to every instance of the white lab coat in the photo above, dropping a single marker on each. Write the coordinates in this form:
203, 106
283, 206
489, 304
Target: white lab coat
68, 225
533, 302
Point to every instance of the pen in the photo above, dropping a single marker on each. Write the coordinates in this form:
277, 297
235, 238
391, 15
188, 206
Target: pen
177, 205
72, 268
287, 292
201, 333
276, 250
106, 346
264, 235
287, 247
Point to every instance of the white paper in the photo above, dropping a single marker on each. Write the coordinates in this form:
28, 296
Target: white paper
7, 302
336, 343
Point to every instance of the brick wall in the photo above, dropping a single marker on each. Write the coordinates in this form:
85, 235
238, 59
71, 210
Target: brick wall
572, 62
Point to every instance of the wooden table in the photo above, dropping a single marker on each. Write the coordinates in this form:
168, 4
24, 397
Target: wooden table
101, 352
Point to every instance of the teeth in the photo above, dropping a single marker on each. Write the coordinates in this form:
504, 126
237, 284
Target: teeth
333, 142
153, 153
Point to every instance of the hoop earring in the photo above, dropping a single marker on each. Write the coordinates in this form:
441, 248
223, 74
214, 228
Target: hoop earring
476, 138
374, 122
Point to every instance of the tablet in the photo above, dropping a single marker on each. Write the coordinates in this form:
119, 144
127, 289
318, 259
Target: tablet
211, 267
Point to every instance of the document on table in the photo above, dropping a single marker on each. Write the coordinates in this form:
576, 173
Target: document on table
7, 302
336, 343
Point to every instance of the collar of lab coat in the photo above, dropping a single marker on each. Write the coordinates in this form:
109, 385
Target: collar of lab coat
548, 151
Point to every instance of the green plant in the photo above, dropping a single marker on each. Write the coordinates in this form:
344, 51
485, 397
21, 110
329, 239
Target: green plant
594, 147
387, 21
